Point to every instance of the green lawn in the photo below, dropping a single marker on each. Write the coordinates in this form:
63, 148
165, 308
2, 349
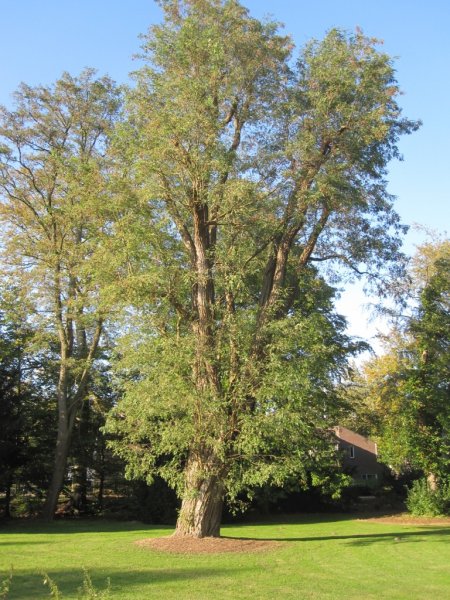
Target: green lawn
323, 557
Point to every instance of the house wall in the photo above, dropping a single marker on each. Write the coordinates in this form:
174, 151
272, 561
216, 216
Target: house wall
359, 457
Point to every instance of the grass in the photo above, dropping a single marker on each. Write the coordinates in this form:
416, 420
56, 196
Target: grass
324, 557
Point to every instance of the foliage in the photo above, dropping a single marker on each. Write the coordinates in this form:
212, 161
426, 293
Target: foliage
216, 208
26, 411
293, 400
251, 170
407, 389
424, 501
14, 401
54, 186
359, 411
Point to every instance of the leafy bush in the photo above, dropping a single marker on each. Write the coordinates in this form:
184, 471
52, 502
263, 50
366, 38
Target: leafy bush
424, 502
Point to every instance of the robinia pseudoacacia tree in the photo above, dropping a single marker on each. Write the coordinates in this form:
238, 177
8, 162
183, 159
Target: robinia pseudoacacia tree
253, 170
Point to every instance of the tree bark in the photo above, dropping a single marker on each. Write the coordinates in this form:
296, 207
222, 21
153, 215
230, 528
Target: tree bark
64, 420
432, 482
101, 488
80, 471
201, 509
59, 471
68, 404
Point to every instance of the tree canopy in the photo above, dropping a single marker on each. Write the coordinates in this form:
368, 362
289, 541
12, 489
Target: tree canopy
408, 387
55, 183
254, 170
216, 207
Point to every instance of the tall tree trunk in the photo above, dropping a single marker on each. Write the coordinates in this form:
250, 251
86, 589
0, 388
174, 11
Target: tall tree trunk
68, 404
101, 472
59, 471
101, 489
65, 334
80, 473
201, 509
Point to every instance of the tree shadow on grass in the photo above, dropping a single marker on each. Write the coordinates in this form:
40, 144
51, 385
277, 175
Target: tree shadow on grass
298, 519
98, 525
78, 526
15, 543
365, 538
27, 585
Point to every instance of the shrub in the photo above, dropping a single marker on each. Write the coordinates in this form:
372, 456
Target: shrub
424, 502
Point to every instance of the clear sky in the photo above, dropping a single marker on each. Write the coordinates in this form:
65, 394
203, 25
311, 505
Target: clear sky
39, 39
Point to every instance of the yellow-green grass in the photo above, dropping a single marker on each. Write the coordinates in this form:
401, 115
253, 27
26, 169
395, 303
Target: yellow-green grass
322, 557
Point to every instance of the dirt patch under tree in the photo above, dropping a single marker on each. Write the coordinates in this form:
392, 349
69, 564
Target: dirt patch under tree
213, 545
207, 545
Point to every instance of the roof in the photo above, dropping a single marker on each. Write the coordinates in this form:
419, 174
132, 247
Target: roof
349, 436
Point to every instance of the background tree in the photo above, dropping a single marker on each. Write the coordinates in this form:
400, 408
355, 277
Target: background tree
251, 170
54, 189
88, 459
26, 412
409, 386
14, 397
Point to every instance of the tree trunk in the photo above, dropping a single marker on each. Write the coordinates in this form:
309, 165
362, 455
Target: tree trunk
100, 468
79, 488
432, 482
101, 488
59, 471
80, 471
201, 509
68, 405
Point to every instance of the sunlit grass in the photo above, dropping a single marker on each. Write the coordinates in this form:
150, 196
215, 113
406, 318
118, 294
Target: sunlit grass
323, 557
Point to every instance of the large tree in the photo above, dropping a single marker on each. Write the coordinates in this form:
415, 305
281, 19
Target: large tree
252, 169
54, 188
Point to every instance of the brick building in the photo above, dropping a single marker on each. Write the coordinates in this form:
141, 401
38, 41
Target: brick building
359, 457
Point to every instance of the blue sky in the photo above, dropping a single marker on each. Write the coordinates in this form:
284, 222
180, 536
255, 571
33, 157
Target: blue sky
41, 39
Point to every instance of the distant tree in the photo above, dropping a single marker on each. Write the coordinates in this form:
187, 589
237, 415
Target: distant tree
54, 189
25, 413
13, 397
408, 387
251, 171
89, 459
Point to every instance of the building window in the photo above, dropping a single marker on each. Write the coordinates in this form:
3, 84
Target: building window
351, 451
